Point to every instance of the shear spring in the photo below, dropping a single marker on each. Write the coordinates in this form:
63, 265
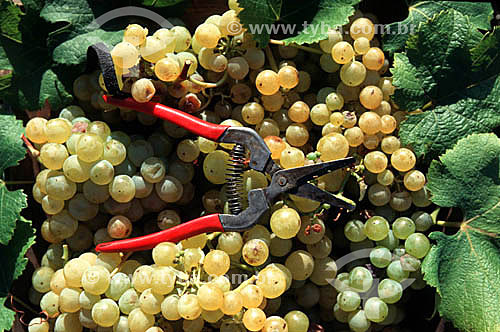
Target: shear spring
234, 177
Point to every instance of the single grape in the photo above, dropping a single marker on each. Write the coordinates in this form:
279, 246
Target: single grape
418, 245
376, 228
360, 279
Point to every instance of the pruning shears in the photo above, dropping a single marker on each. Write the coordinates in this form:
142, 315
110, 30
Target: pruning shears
293, 181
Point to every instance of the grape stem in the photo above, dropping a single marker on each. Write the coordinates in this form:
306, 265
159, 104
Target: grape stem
270, 58
245, 283
124, 259
34, 152
65, 254
184, 72
244, 267
300, 47
208, 85
455, 224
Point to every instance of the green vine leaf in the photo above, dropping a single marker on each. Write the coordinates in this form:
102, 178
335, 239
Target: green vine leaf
480, 15
78, 30
10, 16
465, 267
11, 145
453, 74
258, 14
6, 315
74, 51
331, 14
13, 265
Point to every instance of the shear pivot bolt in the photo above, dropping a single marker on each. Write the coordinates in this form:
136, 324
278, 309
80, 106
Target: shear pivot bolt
282, 181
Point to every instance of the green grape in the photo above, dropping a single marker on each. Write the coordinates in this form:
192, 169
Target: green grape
88, 300
169, 189
63, 225
379, 195
334, 101
38, 325
169, 307
58, 130
390, 241
95, 193
51, 205
362, 27
418, 245
153, 169
333, 146
421, 198
149, 302
68, 322
237, 68
231, 242
36, 130
403, 227
390, 291
320, 249
163, 280
122, 188
139, 321
353, 73
69, 299
288, 77
72, 141
327, 63
138, 151
53, 155
342, 52
320, 114
81, 209
376, 228
255, 57
410, 263
41, 279
380, 257
297, 321
423, 221
354, 231
376, 310
357, 321
400, 201
339, 314
125, 55
267, 82
403, 160
395, 271
360, 279
348, 300
325, 269
50, 304
95, 280
89, 148
189, 307
385, 178
115, 152
214, 166
128, 301
105, 312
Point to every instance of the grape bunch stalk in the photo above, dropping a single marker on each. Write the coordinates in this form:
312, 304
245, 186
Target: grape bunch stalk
101, 181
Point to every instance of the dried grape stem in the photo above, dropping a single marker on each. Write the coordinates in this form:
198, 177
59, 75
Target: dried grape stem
184, 72
208, 84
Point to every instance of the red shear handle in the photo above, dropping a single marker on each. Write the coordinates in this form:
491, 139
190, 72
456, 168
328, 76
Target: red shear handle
193, 124
210, 223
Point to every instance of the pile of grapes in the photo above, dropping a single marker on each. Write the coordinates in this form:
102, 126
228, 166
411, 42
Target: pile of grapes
98, 185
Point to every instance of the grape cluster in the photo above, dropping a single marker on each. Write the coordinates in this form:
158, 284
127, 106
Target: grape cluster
97, 185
